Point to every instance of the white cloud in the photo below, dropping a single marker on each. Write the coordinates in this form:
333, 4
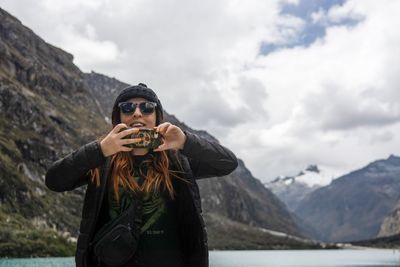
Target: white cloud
328, 101
66, 25
332, 103
87, 49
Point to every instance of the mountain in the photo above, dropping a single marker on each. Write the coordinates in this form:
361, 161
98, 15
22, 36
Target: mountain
42, 99
48, 108
292, 189
354, 206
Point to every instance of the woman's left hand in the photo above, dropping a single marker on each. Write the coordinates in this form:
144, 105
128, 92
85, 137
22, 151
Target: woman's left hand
173, 136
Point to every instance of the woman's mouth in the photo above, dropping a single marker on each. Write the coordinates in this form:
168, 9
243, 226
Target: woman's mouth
137, 124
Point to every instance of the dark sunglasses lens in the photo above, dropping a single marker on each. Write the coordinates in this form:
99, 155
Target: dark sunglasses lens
128, 107
147, 107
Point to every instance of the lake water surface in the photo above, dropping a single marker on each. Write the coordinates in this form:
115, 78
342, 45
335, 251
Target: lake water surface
262, 258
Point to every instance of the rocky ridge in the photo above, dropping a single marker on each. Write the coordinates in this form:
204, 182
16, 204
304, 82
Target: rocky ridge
391, 223
42, 99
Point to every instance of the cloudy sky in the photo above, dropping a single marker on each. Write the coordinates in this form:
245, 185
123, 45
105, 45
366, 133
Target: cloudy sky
282, 83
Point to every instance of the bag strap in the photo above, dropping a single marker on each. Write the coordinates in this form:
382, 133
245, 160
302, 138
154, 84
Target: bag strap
104, 175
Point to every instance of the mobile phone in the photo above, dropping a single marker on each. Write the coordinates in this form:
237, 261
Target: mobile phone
150, 138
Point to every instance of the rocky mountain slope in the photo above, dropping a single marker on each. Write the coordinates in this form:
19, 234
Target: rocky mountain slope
354, 206
48, 108
391, 224
42, 99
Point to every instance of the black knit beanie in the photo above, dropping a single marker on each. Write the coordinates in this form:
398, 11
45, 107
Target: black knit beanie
140, 90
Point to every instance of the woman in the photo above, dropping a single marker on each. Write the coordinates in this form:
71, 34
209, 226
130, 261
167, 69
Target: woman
173, 231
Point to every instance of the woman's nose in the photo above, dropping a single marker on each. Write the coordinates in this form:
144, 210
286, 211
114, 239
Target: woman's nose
137, 112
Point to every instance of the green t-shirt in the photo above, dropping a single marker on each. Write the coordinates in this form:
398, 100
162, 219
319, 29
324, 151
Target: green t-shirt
159, 243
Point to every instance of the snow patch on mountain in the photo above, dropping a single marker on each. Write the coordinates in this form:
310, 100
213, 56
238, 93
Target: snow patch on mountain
292, 189
310, 176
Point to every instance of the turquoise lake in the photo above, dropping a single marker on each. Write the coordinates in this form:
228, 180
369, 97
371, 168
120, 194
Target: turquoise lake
262, 258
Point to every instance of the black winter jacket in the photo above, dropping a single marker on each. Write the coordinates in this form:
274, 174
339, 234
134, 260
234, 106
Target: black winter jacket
199, 158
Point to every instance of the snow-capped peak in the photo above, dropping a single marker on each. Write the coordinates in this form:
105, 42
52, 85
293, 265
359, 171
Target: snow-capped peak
311, 176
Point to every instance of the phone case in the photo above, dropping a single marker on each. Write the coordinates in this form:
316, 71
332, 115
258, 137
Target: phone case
150, 138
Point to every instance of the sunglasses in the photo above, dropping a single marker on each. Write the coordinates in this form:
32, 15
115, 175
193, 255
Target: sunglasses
145, 107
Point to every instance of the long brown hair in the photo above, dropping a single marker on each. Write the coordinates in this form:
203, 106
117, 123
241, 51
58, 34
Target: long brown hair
158, 173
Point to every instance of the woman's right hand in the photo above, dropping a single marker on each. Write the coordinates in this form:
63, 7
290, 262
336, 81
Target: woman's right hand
114, 141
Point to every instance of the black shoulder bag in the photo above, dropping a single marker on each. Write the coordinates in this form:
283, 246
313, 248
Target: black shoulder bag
116, 242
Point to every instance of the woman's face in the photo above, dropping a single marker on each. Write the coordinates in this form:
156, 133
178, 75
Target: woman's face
136, 118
